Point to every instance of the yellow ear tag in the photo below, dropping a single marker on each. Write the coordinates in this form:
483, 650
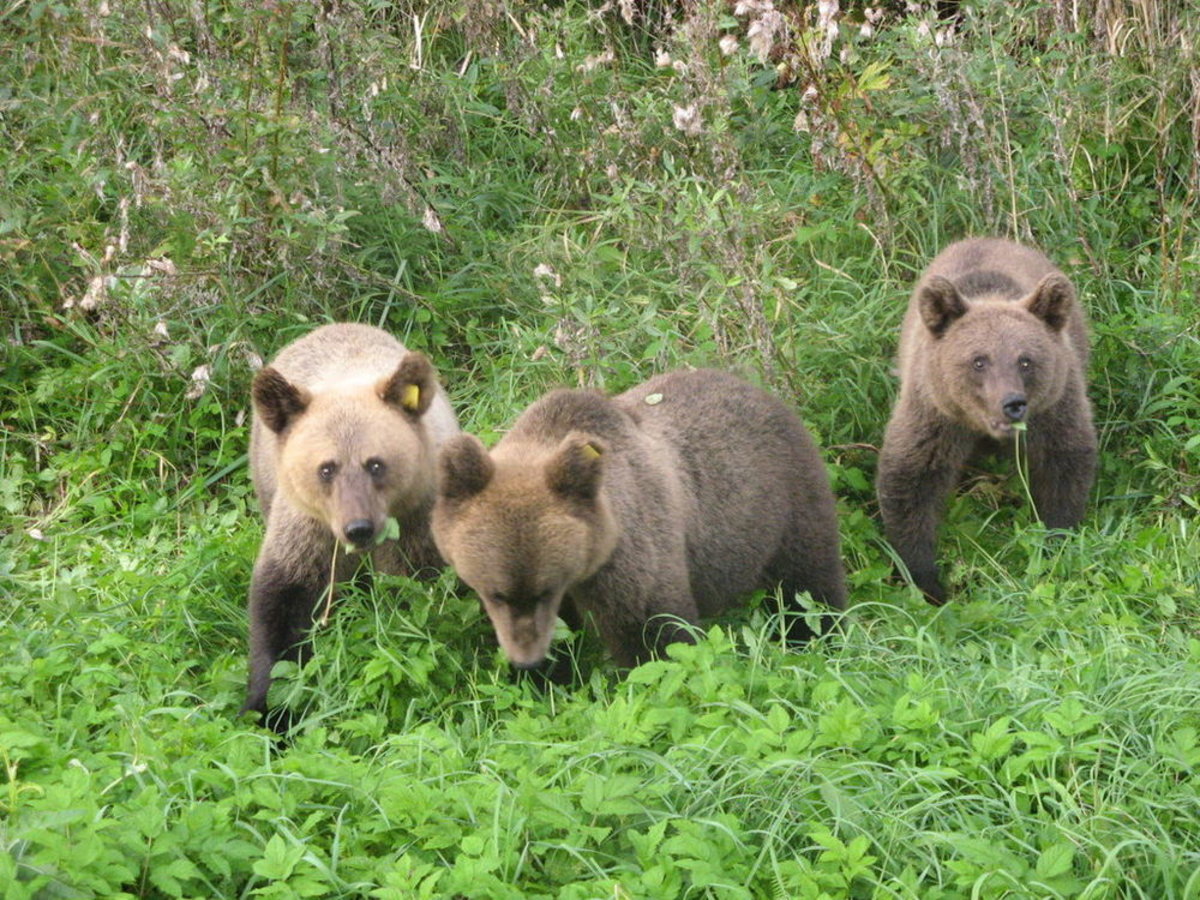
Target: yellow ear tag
410, 397
590, 451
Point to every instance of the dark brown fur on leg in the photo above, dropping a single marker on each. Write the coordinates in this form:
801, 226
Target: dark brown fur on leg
918, 468
1061, 472
282, 610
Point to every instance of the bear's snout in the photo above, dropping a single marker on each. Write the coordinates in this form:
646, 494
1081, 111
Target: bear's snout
1015, 407
359, 532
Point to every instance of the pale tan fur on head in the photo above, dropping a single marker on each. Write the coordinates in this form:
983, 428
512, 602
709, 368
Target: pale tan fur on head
352, 456
522, 527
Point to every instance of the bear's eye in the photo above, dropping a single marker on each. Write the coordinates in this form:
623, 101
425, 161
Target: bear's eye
1024, 363
326, 471
375, 467
979, 363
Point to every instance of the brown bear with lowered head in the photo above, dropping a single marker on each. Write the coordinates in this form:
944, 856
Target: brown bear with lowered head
346, 428
665, 503
994, 338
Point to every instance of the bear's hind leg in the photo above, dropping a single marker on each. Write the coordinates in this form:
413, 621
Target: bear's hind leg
825, 583
810, 559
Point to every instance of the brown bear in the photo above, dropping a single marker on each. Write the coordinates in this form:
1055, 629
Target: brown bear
994, 341
660, 505
346, 428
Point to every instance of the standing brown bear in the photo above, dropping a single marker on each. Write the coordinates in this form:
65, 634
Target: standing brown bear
346, 428
994, 338
665, 503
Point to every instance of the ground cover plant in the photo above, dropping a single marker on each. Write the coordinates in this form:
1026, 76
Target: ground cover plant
577, 193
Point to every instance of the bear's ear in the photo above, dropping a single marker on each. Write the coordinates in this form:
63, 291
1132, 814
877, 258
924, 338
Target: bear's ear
464, 467
1051, 300
276, 400
576, 467
411, 387
940, 304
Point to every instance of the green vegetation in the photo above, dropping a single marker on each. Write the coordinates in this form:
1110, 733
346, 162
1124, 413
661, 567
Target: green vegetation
585, 194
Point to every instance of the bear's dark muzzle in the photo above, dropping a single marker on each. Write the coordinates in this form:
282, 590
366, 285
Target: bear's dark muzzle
360, 532
1015, 406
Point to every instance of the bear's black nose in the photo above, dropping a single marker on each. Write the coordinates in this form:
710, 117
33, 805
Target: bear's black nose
1014, 406
359, 531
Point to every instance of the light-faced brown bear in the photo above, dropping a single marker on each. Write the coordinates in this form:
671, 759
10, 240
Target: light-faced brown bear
660, 505
346, 428
994, 337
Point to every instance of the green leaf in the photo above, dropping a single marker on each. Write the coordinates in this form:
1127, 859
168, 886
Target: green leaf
11, 741
278, 860
649, 672
389, 532
1070, 718
166, 876
995, 742
1055, 860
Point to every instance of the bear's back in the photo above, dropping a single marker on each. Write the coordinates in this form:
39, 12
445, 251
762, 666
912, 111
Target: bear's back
991, 267
718, 421
563, 410
746, 468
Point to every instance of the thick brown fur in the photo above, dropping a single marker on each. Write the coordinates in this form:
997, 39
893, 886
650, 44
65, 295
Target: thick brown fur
665, 503
345, 432
994, 335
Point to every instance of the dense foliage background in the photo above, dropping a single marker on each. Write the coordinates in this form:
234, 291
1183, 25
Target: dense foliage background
539, 194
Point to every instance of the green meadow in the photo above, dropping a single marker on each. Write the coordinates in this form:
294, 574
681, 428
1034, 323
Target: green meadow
586, 194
